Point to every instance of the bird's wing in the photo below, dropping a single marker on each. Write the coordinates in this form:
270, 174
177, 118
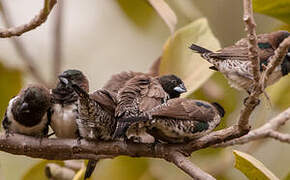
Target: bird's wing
131, 95
239, 51
153, 96
117, 81
5, 121
107, 100
184, 109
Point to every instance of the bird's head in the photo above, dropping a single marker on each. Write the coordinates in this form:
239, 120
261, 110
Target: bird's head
172, 85
32, 104
75, 77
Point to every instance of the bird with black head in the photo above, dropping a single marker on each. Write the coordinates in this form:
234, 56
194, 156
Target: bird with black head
28, 112
143, 93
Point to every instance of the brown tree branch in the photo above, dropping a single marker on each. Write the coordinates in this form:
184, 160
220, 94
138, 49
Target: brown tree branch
250, 27
39, 19
275, 60
253, 99
57, 44
267, 130
187, 166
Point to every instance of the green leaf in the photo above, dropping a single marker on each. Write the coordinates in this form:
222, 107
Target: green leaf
10, 85
37, 171
251, 167
178, 59
140, 11
279, 9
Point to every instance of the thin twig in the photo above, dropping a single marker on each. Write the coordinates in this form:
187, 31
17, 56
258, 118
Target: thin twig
250, 27
253, 99
275, 60
39, 19
57, 44
187, 166
20, 48
267, 130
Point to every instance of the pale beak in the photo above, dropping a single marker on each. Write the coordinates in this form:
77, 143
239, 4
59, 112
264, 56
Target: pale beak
181, 88
24, 107
63, 80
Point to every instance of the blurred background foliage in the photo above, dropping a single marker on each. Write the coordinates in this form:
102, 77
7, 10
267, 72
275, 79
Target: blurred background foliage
104, 37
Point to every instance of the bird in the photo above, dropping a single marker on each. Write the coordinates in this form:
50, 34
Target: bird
233, 61
96, 116
117, 81
181, 120
64, 110
28, 112
142, 93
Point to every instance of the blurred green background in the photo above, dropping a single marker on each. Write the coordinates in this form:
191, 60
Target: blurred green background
104, 37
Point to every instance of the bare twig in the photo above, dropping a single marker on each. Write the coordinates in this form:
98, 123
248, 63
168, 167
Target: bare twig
267, 130
57, 45
187, 166
252, 38
20, 49
275, 60
39, 19
253, 99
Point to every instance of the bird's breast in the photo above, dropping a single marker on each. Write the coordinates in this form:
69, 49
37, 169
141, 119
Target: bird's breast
63, 120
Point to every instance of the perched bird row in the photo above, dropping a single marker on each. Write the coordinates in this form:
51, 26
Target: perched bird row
136, 106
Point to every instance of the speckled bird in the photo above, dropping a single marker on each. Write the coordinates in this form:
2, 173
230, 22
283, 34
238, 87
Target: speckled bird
234, 63
65, 104
143, 93
181, 120
96, 116
27, 113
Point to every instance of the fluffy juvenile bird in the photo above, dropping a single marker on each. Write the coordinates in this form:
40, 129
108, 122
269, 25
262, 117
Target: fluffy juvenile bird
233, 61
65, 104
180, 120
143, 93
27, 113
96, 116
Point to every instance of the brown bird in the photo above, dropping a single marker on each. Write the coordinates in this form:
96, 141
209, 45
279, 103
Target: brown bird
27, 113
117, 81
96, 119
64, 104
180, 120
143, 93
234, 63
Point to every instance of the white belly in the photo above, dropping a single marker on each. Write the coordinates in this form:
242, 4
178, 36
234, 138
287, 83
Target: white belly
63, 120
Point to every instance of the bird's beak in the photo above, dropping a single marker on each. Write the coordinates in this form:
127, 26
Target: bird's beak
181, 88
24, 107
63, 80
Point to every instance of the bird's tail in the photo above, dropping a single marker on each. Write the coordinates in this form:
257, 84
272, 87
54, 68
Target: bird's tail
121, 129
199, 49
219, 108
90, 168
